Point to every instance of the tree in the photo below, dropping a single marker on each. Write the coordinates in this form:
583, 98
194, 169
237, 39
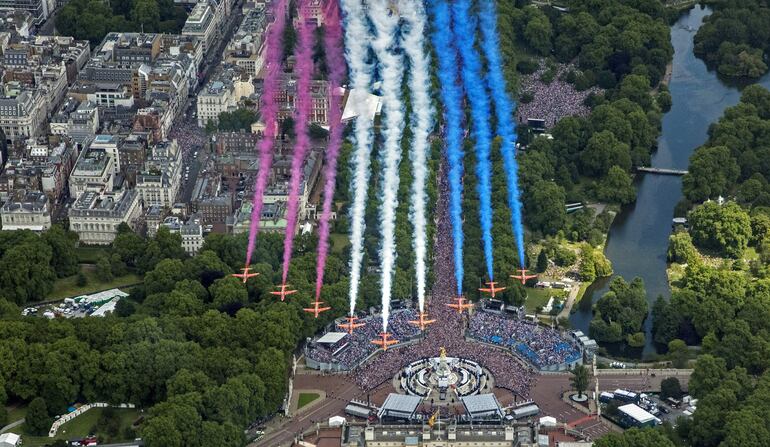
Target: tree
25, 272
64, 259
725, 228
681, 249
104, 269
542, 261
165, 276
707, 376
160, 432
670, 387
712, 172
623, 307
664, 100
545, 208
146, 14
616, 187
124, 308
228, 294
579, 379
129, 246
37, 420
538, 31
635, 437
603, 151
81, 279
678, 353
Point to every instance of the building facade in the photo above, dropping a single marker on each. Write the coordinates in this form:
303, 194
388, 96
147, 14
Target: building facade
26, 210
95, 217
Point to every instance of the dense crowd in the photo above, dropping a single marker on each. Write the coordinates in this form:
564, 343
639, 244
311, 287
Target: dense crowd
447, 332
552, 101
541, 346
189, 136
358, 346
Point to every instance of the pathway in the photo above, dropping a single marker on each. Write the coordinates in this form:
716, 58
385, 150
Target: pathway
12, 425
573, 293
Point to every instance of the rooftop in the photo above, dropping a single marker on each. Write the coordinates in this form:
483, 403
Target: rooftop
637, 413
26, 201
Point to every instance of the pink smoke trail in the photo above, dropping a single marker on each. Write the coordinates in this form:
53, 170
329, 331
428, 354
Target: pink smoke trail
335, 61
273, 58
303, 66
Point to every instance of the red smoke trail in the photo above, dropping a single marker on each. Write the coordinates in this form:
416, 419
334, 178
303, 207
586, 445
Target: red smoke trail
303, 66
269, 111
335, 61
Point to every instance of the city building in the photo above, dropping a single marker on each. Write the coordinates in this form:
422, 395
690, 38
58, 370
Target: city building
158, 183
22, 113
38, 9
35, 167
192, 237
93, 172
245, 49
79, 120
18, 21
140, 81
203, 23
313, 12
95, 216
223, 94
215, 210
111, 145
26, 210
287, 100
132, 153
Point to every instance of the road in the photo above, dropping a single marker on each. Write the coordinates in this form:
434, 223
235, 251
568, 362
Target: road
547, 394
48, 27
339, 391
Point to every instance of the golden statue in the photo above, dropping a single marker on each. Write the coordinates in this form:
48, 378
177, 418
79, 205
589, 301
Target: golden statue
442, 352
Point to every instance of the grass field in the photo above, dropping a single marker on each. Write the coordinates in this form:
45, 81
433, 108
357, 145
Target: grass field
89, 255
67, 287
539, 298
82, 426
306, 398
18, 412
339, 242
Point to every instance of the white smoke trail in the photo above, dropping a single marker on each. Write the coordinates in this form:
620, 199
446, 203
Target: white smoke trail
357, 40
391, 70
413, 12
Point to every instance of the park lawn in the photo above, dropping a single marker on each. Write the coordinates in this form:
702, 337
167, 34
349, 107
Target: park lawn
90, 255
18, 412
306, 398
82, 426
67, 287
539, 298
339, 242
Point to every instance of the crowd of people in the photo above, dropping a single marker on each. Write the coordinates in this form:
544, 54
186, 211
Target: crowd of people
189, 136
541, 346
552, 101
448, 331
356, 347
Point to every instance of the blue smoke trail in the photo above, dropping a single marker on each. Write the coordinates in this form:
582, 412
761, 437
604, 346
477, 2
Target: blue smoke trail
451, 96
464, 32
506, 123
